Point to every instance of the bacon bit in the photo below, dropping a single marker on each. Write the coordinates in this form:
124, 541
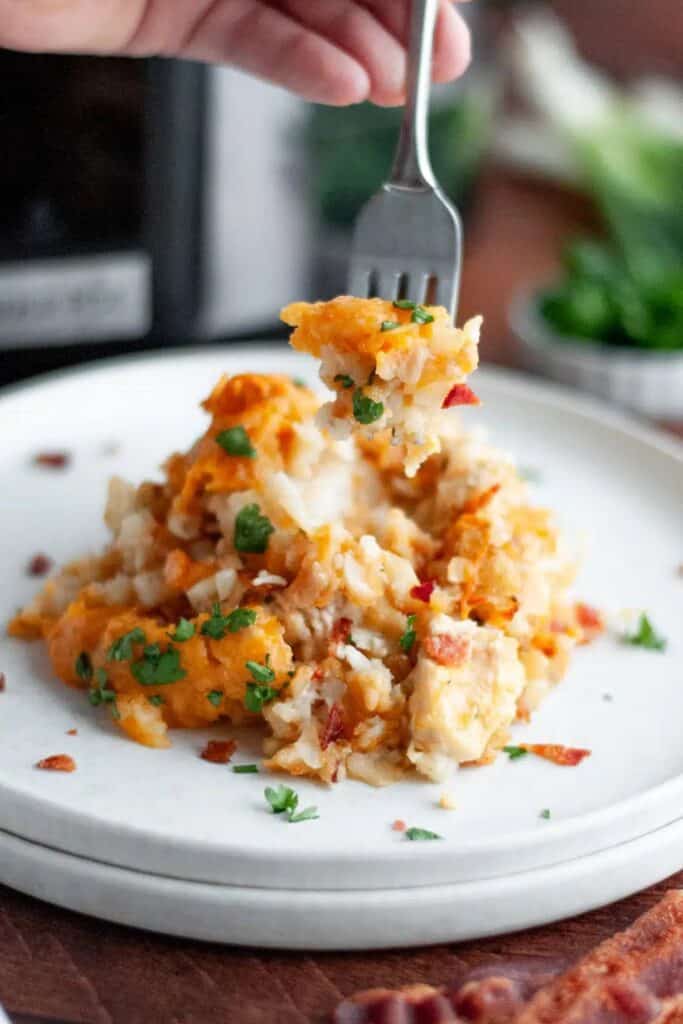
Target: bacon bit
590, 620
423, 591
72, 732
399, 825
447, 650
557, 753
340, 632
52, 460
317, 674
478, 501
3, 682
218, 751
57, 763
334, 727
460, 394
39, 565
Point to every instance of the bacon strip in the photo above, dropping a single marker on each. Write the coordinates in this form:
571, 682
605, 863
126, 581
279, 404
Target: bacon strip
631, 978
636, 977
557, 753
333, 729
460, 394
218, 751
423, 591
57, 763
451, 651
486, 995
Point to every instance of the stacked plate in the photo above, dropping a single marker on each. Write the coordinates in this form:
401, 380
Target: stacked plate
167, 841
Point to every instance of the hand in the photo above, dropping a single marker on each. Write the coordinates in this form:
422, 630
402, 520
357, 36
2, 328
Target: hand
329, 51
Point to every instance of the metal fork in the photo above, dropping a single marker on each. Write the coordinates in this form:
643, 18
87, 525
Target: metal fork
407, 243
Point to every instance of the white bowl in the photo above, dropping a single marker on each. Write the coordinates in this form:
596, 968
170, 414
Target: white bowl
649, 383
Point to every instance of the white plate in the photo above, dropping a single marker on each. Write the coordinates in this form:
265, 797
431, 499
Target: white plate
352, 919
170, 813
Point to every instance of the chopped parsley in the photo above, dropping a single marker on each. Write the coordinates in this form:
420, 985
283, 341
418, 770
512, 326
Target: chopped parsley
218, 625
344, 379
409, 636
101, 693
308, 814
245, 769
365, 410
157, 667
252, 530
215, 697
299, 382
183, 631
421, 316
389, 325
261, 673
256, 696
235, 441
122, 649
545, 814
417, 834
646, 636
404, 304
514, 753
284, 800
156, 700
83, 666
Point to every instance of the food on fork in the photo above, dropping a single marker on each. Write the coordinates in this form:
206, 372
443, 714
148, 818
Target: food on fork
393, 365
375, 623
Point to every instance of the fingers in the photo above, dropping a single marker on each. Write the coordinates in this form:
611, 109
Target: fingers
267, 42
76, 26
358, 33
451, 36
452, 50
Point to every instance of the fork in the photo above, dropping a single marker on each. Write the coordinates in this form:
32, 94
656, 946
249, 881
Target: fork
407, 243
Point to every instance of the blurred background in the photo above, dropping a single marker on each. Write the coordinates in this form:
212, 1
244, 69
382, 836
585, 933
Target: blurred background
145, 204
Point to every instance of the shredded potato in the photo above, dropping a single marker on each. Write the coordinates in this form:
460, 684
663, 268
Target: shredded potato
380, 597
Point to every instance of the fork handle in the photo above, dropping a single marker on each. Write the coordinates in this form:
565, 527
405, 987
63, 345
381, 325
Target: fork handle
412, 166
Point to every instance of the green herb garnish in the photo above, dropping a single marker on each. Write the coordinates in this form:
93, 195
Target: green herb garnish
299, 382
344, 379
545, 814
218, 625
183, 631
416, 834
409, 636
83, 666
156, 700
101, 693
365, 410
256, 696
284, 800
421, 316
261, 673
157, 668
122, 649
235, 441
245, 769
215, 697
646, 636
515, 752
252, 530
389, 325
404, 304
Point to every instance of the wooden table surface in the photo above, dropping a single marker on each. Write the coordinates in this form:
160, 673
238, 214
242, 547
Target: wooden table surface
60, 966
